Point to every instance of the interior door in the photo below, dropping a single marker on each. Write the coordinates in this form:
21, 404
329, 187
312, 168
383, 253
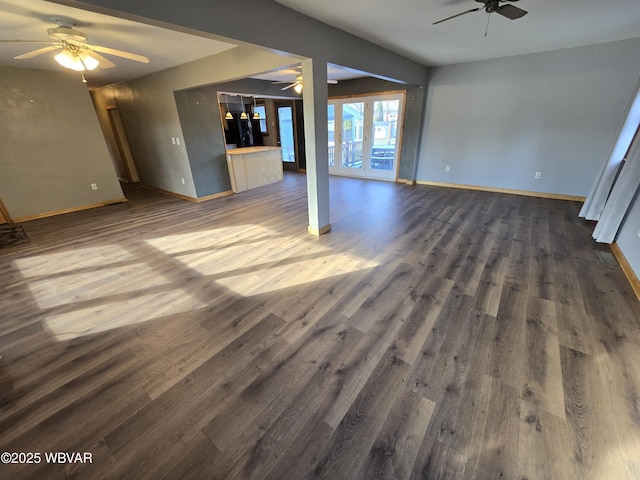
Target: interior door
286, 135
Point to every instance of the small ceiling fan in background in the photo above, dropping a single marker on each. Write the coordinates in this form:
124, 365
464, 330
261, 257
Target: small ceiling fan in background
297, 83
76, 54
490, 6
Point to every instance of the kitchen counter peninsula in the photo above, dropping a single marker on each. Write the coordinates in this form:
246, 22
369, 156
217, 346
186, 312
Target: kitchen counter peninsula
252, 167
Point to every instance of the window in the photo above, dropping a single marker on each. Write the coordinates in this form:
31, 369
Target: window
262, 111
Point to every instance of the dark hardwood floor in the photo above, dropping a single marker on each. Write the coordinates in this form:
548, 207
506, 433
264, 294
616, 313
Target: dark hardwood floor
434, 333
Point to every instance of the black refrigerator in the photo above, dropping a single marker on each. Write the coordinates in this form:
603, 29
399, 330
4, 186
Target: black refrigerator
243, 133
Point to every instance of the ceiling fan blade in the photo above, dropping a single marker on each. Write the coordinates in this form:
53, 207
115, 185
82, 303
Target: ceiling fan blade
119, 53
291, 86
27, 41
454, 16
104, 62
511, 12
35, 53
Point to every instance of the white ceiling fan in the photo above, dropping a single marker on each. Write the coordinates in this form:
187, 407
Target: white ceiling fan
76, 53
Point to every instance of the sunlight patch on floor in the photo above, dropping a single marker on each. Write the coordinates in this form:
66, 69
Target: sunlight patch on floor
92, 290
285, 276
131, 311
210, 240
87, 286
68, 261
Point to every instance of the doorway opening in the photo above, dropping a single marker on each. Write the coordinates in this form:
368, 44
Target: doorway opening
123, 160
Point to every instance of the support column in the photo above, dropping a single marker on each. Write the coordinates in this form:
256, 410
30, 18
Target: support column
315, 97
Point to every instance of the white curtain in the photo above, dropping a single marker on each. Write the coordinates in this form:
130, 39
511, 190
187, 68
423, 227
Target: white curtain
621, 198
594, 205
595, 202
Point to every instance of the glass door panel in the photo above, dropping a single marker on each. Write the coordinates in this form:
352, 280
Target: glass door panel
285, 132
334, 138
352, 137
365, 136
384, 139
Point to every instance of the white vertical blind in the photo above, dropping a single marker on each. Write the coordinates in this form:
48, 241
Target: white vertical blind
621, 199
594, 205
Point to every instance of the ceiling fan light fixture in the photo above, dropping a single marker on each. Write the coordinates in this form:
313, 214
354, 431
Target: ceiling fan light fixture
298, 88
89, 62
68, 60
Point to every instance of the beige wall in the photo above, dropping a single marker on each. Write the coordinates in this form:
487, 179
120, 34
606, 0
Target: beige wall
52, 146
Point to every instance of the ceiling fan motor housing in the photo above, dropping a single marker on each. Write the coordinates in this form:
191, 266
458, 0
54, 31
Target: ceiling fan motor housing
66, 33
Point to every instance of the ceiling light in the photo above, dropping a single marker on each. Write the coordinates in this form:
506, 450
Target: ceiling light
228, 115
298, 88
89, 62
243, 115
256, 115
69, 60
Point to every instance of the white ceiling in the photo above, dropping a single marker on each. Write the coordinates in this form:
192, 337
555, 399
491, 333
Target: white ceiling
404, 26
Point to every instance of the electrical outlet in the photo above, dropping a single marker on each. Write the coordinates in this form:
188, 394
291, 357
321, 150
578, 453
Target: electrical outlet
173, 140
447, 168
94, 186
177, 141
537, 175
182, 181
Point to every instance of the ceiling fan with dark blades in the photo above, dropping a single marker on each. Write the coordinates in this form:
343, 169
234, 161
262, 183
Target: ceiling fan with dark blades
76, 53
490, 6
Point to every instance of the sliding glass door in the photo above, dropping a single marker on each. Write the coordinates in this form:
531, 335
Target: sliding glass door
364, 136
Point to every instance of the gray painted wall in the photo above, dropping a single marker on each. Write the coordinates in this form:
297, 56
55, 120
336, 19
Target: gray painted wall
200, 122
52, 146
201, 125
150, 116
497, 122
415, 96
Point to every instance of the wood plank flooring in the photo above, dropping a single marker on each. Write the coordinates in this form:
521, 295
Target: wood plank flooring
433, 334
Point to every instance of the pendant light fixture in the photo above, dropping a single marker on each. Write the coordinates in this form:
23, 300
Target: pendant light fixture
243, 115
256, 115
228, 115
